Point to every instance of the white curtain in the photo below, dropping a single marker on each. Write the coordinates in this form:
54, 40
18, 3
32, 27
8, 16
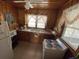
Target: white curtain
72, 14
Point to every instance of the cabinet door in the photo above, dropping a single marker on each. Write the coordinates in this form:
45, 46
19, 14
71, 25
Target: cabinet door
6, 48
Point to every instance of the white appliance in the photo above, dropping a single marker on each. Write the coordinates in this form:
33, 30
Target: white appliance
5, 42
56, 52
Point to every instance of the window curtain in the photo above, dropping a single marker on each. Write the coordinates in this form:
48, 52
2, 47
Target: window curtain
72, 14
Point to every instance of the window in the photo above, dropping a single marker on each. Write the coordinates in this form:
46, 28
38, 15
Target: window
37, 21
72, 15
31, 20
71, 32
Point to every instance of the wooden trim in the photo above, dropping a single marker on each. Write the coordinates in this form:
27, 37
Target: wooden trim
68, 2
74, 53
73, 28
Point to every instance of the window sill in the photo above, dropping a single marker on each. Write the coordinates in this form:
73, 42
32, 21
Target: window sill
42, 31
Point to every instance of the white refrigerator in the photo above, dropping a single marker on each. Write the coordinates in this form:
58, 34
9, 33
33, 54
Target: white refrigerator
5, 42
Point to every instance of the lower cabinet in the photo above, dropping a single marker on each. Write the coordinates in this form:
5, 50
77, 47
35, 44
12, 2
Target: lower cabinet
24, 36
37, 38
33, 37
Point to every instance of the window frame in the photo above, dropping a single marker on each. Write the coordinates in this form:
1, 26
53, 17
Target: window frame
36, 22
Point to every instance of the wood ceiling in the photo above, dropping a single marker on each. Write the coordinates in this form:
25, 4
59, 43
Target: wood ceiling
47, 4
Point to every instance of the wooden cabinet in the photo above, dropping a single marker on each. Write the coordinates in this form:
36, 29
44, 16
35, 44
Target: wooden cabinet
33, 37
24, 36
30, 37
37, 38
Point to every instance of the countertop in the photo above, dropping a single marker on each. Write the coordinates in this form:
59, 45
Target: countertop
40, 31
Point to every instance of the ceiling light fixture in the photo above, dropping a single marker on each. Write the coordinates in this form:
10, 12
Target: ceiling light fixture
28, 5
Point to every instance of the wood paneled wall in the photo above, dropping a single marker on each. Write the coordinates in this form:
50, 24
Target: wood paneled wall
51, 14
7, 7
19, 14
21, 17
